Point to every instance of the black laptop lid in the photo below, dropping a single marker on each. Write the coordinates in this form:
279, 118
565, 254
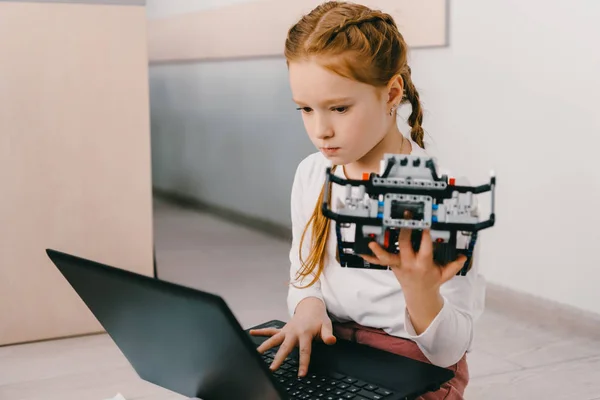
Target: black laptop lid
179, 338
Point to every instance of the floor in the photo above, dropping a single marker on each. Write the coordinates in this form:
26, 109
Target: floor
510, 360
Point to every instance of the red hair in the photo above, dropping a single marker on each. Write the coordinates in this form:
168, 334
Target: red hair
358, 43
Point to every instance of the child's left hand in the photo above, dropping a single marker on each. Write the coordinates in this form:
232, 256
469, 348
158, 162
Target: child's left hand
415, 271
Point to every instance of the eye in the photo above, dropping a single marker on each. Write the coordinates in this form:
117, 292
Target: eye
304, 109
340, 110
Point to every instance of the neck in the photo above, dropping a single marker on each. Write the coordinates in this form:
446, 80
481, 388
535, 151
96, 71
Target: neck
392, 142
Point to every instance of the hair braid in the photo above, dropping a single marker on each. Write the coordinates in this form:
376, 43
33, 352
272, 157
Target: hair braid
415, 120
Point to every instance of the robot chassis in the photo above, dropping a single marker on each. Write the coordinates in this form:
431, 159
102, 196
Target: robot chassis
408, 193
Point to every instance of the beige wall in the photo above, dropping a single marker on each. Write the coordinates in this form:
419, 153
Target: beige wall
74, 157
258, 28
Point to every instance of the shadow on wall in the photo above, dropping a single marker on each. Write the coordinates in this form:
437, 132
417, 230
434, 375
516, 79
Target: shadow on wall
227, 134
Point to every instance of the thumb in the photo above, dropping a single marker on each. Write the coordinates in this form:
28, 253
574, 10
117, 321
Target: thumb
327, 332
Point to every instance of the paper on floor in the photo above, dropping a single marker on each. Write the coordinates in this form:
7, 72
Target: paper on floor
119, 396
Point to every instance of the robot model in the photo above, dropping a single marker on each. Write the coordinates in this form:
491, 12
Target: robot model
407, 193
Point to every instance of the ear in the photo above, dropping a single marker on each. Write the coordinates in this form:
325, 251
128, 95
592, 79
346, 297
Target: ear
395, 90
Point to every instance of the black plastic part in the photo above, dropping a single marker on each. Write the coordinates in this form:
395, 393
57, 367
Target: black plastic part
469, 253
388, 167
443, 253
439, 193
429, 164
435, 225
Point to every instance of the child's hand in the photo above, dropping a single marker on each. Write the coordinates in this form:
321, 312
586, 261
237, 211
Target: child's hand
415, 271
310, 321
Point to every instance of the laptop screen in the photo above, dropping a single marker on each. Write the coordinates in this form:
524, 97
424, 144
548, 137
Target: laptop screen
179, 338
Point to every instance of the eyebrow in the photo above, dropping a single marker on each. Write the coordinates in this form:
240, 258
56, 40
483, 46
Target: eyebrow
328, 102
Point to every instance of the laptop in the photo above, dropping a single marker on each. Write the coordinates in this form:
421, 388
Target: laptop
189, 341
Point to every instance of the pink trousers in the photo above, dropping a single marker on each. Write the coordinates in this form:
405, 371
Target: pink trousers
377, 338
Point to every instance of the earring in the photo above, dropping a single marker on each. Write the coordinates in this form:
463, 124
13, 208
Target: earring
392, 110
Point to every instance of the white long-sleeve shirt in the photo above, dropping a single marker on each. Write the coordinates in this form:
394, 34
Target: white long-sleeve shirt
375, 298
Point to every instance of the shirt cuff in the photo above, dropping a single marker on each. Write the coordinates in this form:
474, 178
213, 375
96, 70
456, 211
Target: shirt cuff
296, 295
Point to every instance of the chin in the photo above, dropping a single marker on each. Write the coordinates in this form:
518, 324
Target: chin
337, 160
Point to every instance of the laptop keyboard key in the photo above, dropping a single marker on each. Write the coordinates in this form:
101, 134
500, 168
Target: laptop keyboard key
370, 395
383, 392
336, 376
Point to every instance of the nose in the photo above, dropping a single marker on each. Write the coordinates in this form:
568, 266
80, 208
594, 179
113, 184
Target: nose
323, 129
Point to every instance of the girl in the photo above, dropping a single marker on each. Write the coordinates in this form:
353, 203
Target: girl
348, 73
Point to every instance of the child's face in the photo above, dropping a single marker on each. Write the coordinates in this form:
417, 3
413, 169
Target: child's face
344, 118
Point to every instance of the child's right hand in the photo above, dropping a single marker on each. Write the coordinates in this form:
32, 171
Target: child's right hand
310, 321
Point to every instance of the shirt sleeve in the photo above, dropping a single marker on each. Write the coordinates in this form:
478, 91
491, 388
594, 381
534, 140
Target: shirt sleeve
300, 214
450, 334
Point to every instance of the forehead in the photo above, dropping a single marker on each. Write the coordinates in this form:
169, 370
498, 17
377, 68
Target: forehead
312, 83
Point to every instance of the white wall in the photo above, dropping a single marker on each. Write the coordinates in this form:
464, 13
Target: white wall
166, 8
516, 91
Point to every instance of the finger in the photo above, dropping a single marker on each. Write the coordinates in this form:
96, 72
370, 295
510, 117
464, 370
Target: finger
284, 350
383, 256
426, 247
305, 349
451, 269
370, 259
405, 245
327, 335
264, 332
271, 342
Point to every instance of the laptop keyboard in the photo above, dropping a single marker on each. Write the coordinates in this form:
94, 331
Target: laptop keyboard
332, 386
